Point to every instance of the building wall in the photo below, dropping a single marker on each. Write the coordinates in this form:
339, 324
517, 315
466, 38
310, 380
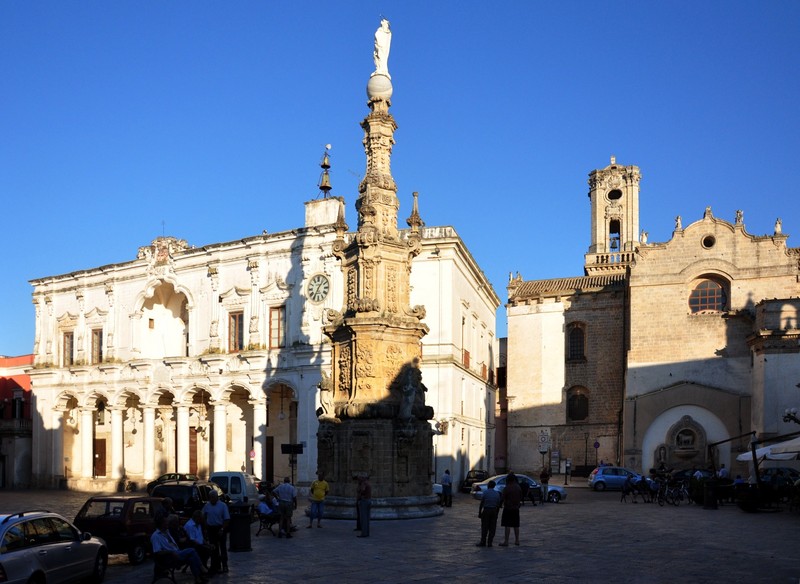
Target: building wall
174, 393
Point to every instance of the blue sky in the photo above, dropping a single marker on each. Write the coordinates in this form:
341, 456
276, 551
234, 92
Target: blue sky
211, 117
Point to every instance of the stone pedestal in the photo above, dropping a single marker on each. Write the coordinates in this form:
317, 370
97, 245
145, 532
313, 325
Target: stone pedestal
395, 454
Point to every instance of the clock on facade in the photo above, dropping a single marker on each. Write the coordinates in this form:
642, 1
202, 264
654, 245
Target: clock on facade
318, 288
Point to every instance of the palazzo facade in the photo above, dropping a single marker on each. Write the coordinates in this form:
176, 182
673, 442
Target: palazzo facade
660, 349
196, 359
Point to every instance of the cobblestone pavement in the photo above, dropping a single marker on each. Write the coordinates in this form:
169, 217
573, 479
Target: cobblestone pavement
591, 537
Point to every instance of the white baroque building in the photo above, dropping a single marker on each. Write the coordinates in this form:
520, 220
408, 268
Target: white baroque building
196, 359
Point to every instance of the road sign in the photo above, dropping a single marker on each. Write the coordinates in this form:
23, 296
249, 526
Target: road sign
596, 445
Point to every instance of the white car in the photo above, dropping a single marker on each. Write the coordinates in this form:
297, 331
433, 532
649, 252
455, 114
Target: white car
39, 546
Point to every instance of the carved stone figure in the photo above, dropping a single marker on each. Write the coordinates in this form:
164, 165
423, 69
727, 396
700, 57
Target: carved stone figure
326, 412
644, 236
739, 216
383, 41
778, 226
678, 223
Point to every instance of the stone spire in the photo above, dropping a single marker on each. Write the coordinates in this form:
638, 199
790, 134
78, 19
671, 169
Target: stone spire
376, 421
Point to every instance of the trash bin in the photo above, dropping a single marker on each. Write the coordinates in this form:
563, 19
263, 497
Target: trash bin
710, 494
239, 540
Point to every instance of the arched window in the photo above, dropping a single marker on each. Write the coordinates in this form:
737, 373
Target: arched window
708, 295
577, 404
576, 342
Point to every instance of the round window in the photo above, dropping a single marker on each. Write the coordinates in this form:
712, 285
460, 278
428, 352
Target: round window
614, 195
709, 241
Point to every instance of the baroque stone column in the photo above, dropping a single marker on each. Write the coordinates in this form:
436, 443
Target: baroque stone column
379, 421
87, 443
259, 435
220, 435
149, 443
117, 443
183, 439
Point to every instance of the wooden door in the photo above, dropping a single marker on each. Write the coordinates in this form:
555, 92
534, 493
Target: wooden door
99, 457
193, 451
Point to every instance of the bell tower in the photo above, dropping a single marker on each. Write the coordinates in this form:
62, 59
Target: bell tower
614, 197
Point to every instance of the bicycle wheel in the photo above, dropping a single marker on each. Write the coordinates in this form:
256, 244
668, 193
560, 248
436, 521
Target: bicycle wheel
661, 498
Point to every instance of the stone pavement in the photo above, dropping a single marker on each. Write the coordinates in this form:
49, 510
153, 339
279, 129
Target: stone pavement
591, 537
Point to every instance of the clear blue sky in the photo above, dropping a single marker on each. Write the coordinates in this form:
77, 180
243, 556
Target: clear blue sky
212, 117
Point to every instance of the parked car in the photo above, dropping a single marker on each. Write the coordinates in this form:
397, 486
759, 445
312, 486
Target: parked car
239, 486
611, 477
188, 495
124, 522
39, 546
171, 476
686, 474
555, 493
473, 476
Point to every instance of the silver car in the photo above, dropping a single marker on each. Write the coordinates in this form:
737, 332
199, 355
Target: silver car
42, 547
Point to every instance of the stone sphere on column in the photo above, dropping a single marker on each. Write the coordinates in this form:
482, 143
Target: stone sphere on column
379, 86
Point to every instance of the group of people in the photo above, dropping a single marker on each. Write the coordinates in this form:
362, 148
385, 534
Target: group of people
509, 500
202, 538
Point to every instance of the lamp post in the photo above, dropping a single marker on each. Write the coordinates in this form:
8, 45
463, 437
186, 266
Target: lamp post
790, 415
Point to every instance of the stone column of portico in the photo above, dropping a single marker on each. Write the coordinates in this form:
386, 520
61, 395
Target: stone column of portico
87, 443
59, 427
259, 435
220, 435
117, 444
149, 416
183, 439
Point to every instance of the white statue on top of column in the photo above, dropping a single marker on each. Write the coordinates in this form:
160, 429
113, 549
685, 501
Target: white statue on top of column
383, 41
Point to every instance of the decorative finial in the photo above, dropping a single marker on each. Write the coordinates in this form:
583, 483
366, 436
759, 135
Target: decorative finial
415, 221
707, 214
340, 225
613, 160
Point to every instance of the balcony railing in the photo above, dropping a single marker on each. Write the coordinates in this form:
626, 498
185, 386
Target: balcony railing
15, 426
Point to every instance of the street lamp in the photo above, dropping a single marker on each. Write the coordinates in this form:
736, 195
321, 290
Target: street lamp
790, 415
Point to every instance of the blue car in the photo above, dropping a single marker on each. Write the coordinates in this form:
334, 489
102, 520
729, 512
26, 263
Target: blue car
611, 477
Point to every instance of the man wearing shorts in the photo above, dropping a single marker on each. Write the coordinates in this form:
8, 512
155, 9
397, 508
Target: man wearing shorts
287, 501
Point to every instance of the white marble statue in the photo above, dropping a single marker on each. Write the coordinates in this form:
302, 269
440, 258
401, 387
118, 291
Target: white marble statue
383, 41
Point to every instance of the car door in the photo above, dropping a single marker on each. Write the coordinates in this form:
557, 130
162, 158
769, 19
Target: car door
14, 555
73, 551
58, 557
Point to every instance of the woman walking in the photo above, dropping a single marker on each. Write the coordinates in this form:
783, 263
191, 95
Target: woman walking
512, 500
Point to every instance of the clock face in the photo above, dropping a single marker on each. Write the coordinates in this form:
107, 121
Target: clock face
318, 288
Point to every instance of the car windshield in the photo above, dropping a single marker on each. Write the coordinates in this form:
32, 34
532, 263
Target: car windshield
179, 494
97, 509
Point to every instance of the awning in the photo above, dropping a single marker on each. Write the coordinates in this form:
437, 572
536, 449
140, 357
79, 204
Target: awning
769, 453
789, 447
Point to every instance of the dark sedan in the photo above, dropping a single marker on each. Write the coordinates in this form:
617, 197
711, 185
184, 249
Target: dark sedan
170, 476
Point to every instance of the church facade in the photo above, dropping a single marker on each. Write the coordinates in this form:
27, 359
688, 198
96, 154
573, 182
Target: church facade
660, 349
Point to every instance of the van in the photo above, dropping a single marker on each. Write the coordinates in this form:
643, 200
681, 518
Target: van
239, 486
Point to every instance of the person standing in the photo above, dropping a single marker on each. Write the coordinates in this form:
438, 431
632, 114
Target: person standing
447, 489
319, 490
544, 478
287, 501
195, 530
218, 518
722, 473
364, 504
512, 500
487, 511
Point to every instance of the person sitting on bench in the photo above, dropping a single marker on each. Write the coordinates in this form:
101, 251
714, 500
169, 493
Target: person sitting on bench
167, 554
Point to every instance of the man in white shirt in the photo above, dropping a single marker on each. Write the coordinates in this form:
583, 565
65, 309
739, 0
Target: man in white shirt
167, 554
722, 473
195, 529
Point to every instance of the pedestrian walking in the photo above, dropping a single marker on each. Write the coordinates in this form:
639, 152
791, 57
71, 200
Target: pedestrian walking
364, 504
319, 490
447, 489
487, 511
512, 500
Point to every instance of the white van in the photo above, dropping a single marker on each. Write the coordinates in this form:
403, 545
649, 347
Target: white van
239, 486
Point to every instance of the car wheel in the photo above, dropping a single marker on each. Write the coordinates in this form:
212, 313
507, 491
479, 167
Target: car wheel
554, 497
36, 579
599, 486
100, 565
136, 553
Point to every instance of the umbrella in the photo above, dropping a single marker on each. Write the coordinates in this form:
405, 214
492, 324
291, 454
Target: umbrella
789, 447
769, 453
